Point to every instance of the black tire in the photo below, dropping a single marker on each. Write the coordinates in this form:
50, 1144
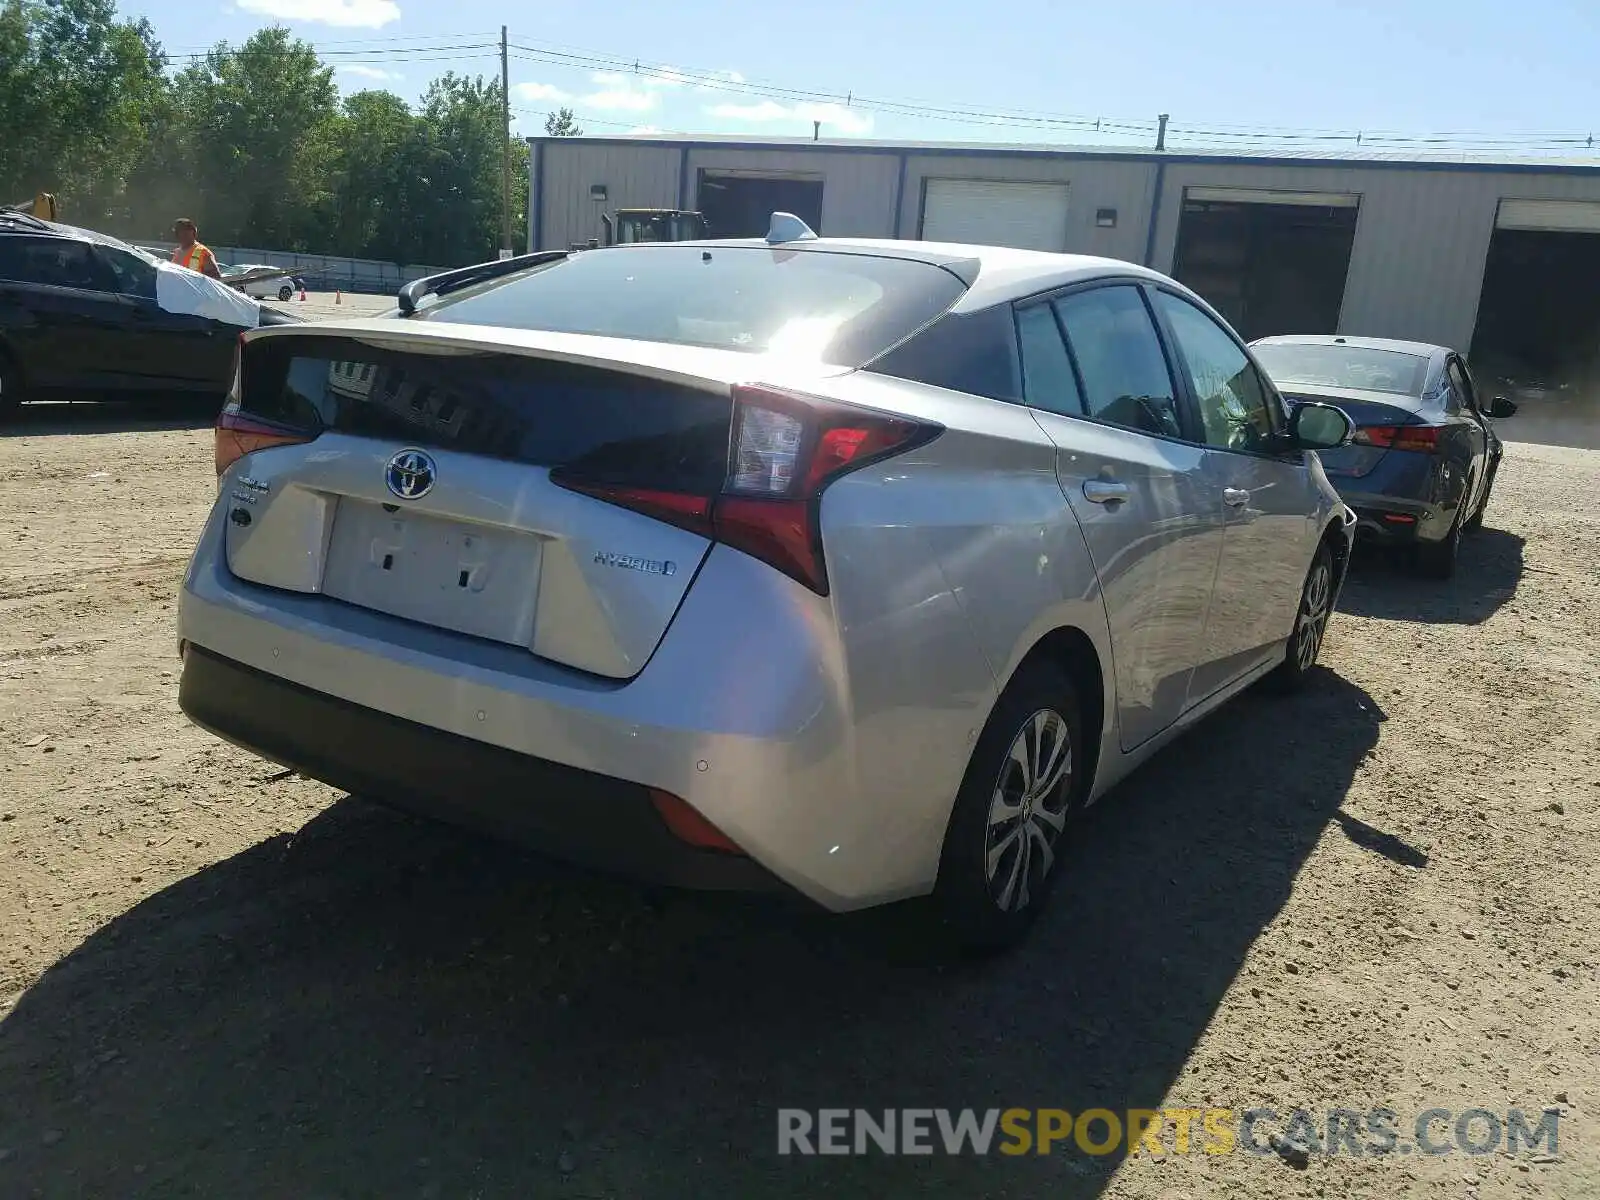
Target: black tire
1310, 624
1475, 522
10, 388
984, 911
1437, 560
285, 292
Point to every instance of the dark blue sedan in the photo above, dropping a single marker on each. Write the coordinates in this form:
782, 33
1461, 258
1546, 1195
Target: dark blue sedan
1424, 457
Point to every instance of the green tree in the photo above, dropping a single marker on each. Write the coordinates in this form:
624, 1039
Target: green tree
78, 89
253, 127
562, 123
452, 172
375, 135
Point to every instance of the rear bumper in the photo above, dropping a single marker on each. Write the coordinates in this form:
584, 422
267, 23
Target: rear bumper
1395, 519
818, 756
576, 815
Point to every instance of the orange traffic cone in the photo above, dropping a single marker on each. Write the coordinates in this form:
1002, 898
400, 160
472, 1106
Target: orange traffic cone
302, 295
338, 297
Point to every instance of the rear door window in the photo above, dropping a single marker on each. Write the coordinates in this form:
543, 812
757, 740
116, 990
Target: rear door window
1048, 380
55, 262
1125, 377
818, 306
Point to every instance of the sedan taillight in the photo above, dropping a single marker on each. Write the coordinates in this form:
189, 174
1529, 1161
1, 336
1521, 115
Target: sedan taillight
785, 449
1422, 438
238, 433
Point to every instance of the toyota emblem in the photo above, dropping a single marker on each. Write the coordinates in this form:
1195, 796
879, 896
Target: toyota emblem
411, 474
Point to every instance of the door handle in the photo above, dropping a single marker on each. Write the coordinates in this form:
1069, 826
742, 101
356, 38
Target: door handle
1235, 497
1104, 491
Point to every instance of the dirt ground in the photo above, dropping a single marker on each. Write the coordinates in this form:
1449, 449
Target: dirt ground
217, 979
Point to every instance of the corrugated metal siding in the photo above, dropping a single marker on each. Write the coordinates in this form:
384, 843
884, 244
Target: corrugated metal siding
1124, 186
1416, 268
1422, 238
642, 176
857, 189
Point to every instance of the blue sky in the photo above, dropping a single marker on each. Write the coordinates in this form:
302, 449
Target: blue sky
1222, 67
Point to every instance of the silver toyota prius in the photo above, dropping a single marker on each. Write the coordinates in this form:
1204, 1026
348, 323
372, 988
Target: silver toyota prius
845, 568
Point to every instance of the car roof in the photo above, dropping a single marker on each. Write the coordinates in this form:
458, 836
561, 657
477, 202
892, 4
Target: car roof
58, 229
995, 274
1420, 349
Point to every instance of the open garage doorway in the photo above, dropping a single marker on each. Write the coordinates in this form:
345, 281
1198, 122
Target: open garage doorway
739, 204
1270, 262
1538, 332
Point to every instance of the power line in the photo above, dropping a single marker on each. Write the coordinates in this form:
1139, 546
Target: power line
1214, 133
1118, 130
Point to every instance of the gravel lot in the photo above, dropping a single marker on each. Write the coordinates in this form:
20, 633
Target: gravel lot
322, 306
219, 980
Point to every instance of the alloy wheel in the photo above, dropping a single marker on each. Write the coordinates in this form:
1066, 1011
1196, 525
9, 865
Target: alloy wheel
1312, 621
1028, 810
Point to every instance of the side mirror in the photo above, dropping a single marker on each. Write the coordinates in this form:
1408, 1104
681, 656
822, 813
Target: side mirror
1317, 426
1501, 406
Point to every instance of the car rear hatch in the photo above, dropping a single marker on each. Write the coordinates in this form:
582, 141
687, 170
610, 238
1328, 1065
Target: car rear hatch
1379, 417
407, 469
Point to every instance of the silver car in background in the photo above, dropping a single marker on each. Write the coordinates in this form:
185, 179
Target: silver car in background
847, 568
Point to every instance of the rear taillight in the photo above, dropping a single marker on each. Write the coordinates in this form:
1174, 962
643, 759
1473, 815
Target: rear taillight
784, 451
1422, 438
238, 433
687, 825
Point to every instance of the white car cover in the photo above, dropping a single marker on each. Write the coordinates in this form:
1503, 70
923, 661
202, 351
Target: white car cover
180, 290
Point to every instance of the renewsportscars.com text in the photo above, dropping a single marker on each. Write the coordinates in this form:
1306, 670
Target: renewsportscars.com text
1100, 1131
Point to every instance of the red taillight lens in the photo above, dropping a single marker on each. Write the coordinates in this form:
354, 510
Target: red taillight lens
683, 509
785, 449
1422, 438
238, 433
687, 825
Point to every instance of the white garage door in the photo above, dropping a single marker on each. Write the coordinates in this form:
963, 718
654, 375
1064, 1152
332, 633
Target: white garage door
1027, 216
1568, 216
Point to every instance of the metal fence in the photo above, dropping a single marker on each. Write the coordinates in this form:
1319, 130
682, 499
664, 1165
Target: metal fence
322, 272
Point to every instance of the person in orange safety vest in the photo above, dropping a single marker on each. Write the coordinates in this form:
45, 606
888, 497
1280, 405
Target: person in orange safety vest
191, 252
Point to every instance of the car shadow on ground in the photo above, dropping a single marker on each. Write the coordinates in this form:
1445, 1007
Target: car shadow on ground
376, 1005
1384, 582
51, 417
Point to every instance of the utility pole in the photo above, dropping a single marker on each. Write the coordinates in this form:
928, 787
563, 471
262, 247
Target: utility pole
505, 148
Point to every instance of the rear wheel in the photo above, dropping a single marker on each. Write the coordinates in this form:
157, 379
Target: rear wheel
285, 292
1022, 784
1310, 624
1437, 560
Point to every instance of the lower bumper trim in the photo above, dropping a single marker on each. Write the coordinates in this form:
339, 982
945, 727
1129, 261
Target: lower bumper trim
591, 819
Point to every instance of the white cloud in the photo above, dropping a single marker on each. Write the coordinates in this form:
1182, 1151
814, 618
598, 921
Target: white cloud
835, 118
621, 93
370, 72
645, 131
354, 14
649, 78
721, 81
539, 91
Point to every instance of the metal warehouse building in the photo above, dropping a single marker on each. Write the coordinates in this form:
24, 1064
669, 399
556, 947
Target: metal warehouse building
1500, 257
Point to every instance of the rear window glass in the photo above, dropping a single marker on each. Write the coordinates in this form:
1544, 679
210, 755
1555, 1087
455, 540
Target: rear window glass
817, 306
1344, 366
505, 406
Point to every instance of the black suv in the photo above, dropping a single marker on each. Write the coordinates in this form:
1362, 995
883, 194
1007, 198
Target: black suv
79, 320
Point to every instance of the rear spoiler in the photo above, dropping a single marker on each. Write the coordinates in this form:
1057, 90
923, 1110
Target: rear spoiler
446, 282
